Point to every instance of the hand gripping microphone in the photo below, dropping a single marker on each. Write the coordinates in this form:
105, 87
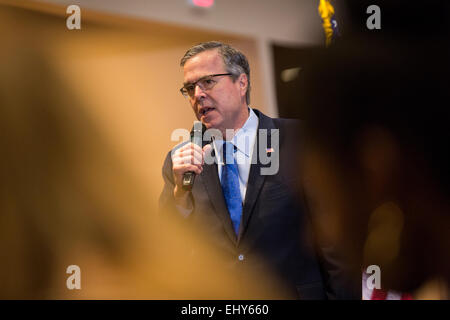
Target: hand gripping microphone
196, 138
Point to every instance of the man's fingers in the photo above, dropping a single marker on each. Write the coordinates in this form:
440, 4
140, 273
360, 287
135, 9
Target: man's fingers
196, 156
189, 147
185, 167
187, 158
197, 159
190, 150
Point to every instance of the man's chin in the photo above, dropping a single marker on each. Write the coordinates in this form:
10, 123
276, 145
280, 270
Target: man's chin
209, 123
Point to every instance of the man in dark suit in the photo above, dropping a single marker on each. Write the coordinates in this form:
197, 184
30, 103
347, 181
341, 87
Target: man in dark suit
249, 210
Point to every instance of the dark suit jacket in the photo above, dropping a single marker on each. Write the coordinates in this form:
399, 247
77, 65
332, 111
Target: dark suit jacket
274, 226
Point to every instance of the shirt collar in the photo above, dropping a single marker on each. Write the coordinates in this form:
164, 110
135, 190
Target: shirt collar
244, 138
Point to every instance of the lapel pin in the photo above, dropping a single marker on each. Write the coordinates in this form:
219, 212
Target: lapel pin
269, 150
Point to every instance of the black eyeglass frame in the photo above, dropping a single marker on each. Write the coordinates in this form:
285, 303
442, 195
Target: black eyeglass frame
184, 90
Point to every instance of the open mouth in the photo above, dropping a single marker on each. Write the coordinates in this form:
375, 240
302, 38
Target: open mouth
205, 111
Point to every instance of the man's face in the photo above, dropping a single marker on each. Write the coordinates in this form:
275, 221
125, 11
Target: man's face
223, 106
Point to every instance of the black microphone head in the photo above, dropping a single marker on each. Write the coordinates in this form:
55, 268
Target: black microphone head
196, 128
198, 125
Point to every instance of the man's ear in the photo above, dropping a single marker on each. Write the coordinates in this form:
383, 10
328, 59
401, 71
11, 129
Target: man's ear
243, 83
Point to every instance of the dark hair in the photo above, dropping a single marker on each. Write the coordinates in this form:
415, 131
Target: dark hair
235, 61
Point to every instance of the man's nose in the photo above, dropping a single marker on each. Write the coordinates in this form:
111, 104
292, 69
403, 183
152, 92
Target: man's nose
198, 92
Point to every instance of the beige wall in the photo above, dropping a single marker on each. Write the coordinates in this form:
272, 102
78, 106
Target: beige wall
286, 22
289, 21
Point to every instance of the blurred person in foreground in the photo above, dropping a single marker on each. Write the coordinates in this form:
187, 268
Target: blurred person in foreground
67, 199
258, 222
376, 166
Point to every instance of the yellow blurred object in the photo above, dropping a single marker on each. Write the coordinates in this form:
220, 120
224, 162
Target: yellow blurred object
326, 12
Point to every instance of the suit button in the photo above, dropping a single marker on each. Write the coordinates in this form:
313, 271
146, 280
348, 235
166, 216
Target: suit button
241, 257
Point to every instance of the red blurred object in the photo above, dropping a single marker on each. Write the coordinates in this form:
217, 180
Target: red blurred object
203, 3
378, 294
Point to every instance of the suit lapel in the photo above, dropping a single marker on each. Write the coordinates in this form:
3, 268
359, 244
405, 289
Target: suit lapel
255, 179
210, 179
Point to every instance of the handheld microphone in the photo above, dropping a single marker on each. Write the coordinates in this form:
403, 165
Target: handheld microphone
196, 138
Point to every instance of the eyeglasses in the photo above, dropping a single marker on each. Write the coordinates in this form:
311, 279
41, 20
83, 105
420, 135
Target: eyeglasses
205, 83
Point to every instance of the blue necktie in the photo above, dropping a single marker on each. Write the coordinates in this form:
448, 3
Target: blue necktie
230, 185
